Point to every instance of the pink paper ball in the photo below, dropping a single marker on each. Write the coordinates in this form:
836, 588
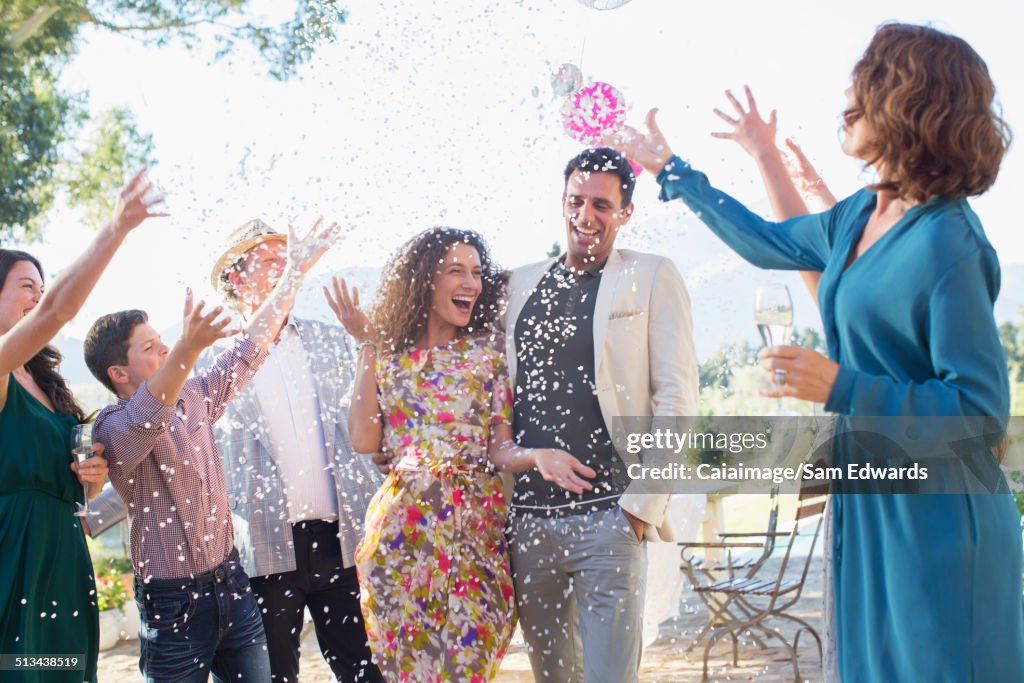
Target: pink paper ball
593, 111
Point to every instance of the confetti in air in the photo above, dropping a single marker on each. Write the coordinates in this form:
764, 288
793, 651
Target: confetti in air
566, 80
593, 111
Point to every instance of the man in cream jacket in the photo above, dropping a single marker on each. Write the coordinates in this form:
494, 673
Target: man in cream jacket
596, 334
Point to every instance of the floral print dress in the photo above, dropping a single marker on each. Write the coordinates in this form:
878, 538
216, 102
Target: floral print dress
433, 566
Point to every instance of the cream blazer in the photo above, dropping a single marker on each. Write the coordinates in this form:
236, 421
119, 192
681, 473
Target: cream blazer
644, 358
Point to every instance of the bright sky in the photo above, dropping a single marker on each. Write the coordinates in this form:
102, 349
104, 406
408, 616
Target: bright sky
441, 112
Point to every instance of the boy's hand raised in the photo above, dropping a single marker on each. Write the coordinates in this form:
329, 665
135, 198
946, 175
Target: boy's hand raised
200, 331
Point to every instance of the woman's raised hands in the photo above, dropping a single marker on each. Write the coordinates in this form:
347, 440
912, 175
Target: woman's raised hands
650, 149
755, 135
346, 309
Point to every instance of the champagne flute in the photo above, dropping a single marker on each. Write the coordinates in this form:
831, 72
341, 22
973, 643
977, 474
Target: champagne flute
81, 447
773, 313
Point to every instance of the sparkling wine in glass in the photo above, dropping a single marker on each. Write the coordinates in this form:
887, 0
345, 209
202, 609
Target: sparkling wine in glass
773, 313
81, 447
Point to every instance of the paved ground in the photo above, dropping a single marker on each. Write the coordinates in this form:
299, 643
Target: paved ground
664, 662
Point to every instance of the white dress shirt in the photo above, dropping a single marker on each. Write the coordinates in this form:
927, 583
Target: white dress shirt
291, 413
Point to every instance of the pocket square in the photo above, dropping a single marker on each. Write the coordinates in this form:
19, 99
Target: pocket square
617, 315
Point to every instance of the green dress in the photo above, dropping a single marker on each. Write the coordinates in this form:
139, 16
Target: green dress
47, 589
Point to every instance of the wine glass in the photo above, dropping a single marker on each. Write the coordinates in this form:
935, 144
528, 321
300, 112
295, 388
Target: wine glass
773, 313
81, 447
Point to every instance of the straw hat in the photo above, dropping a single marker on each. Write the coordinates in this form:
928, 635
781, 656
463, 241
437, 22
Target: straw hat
241, 240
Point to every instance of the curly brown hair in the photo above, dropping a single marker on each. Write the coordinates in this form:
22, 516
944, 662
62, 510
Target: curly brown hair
402, 303
929, 101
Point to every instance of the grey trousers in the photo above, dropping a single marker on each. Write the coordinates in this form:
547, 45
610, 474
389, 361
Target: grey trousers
580, 583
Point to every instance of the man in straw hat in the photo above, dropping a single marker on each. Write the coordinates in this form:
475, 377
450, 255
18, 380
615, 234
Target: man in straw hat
298, 493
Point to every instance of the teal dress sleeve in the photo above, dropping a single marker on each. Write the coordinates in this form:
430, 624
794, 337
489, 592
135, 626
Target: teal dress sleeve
969, 373
800, 243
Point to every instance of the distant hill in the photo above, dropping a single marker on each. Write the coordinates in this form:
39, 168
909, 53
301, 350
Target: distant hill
73, 366
310, 304
721, 287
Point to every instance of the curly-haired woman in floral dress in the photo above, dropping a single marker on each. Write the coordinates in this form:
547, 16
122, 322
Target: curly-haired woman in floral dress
432, 394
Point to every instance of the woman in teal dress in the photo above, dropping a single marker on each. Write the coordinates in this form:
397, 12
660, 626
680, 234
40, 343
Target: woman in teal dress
927, 587
47, 590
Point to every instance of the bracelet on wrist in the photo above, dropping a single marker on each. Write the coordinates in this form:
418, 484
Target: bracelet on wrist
366, 344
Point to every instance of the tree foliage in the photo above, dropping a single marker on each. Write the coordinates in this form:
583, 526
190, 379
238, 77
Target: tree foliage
114, 151
41, 153
717, 370
32, 126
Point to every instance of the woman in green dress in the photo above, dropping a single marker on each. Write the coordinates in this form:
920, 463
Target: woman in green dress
47, 590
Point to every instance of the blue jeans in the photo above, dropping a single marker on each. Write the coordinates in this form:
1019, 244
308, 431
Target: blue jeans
191, 628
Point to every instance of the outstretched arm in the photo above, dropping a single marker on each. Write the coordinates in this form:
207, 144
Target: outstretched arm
553, 464
784, 180
303, 254
799, 243
365, 430
67, 294
806, 178
757, 138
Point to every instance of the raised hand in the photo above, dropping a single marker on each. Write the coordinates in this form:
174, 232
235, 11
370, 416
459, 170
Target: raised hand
303, 253
346, 309
563, 469
755, 135
264, 325
200, 331
135, 204
806, 177
650, 150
